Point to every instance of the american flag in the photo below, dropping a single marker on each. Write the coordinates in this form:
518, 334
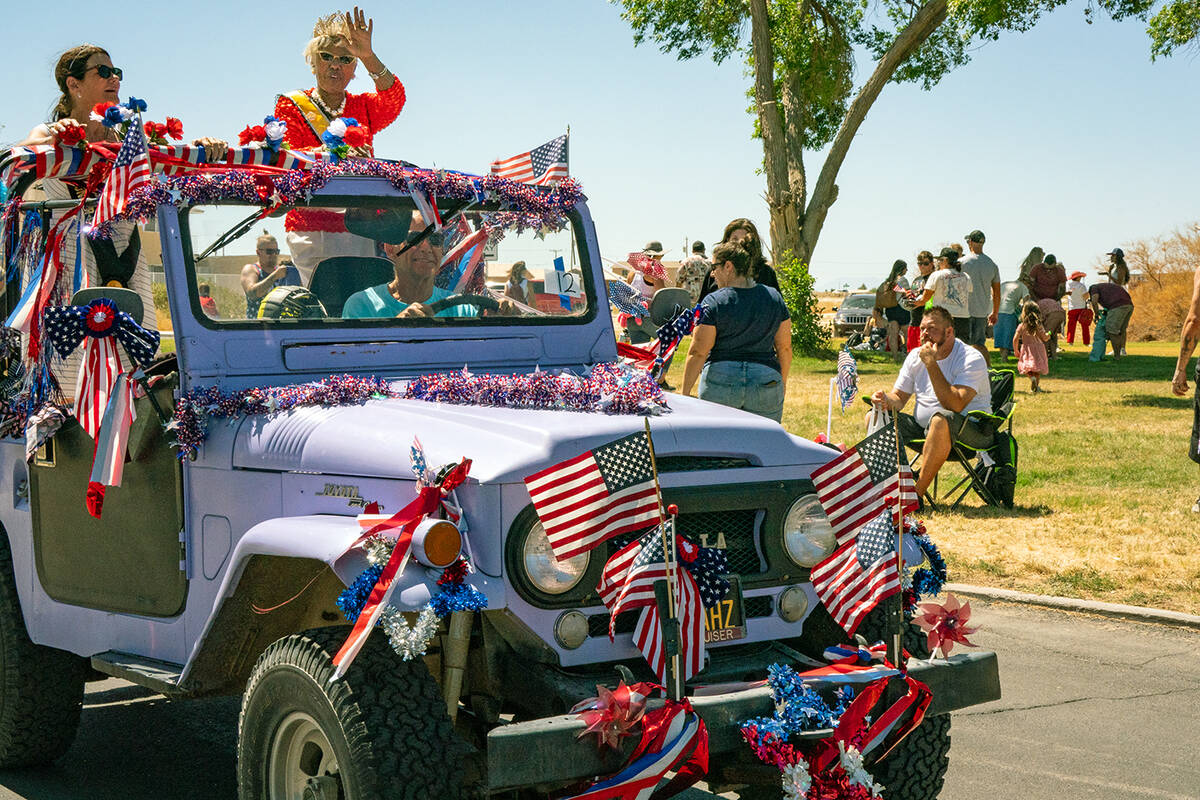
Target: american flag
595, 496
542, 165
847, 378
129, 171
628, 582
860, 573
863, 481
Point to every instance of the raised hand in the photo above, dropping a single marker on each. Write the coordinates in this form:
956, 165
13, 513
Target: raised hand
361, 29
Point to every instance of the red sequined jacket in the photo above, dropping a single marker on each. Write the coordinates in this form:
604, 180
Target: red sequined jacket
374, 111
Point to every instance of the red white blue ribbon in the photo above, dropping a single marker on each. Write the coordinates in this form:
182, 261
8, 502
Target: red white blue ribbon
108, 462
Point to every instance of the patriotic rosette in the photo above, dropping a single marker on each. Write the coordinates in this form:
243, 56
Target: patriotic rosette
99, 325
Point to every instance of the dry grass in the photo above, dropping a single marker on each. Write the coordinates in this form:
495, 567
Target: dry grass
1104, 484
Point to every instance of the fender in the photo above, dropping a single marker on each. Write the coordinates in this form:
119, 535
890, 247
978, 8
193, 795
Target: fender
284, 577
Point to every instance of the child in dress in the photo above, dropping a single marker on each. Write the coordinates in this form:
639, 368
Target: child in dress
1029, 344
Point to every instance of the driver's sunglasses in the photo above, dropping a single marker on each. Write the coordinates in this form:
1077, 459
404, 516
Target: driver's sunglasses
430, 235
104, 71
330, 57
270, 251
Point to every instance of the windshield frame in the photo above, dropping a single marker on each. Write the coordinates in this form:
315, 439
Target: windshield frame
401, 324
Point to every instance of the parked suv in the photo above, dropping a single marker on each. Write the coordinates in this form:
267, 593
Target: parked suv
218, 574
853, 314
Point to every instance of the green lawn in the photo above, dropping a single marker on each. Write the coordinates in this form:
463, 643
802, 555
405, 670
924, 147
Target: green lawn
1104, 488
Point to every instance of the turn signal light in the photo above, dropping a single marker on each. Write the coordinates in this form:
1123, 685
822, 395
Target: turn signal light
436, 543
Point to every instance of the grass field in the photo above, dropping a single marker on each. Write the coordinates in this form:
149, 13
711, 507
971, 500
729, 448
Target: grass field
1104, 487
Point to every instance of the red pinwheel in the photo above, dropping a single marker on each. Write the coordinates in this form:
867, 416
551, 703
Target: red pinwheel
945, 624
614, 713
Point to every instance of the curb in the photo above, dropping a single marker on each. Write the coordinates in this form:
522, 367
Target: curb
1135, 613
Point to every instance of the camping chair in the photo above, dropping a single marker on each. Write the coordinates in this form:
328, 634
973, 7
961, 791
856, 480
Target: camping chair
981, 463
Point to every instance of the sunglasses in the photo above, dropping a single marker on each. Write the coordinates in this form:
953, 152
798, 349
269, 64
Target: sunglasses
104, 71
270, 251
329, 58
430, 236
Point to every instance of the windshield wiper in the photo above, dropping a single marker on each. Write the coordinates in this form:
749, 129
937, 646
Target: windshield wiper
231, 234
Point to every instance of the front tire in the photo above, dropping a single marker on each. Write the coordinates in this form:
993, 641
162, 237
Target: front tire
381, 731
41, 688
916, 769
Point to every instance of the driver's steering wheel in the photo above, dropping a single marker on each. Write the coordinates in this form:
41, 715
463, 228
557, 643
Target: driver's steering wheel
480, 301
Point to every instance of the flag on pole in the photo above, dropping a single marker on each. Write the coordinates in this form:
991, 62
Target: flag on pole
129, 171
859, 573
863, 481
597, 495
542, 166
847, 378
628, 583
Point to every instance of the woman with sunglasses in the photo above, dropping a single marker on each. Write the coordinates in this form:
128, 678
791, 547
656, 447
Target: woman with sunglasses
339, 42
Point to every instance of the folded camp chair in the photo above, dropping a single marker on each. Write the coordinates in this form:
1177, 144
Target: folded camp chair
980, 463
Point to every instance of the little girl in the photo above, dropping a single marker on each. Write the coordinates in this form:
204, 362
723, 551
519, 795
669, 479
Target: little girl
1029, 343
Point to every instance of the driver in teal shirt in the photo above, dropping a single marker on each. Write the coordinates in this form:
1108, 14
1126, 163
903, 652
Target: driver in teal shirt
411, 291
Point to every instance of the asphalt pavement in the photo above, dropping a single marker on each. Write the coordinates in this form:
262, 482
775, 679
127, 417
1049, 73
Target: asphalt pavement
1093, 708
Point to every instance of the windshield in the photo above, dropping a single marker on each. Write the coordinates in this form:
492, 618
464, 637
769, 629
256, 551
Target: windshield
860, 301
377, 262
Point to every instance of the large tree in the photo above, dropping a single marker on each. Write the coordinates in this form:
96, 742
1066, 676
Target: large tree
802, 53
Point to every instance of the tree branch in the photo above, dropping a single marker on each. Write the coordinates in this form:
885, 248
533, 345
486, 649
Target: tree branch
923, 24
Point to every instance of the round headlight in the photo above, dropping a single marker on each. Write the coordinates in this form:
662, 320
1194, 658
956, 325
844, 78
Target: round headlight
571, 629
547, 573
807, 534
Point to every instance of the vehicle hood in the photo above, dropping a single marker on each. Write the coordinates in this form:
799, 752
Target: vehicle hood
504, 444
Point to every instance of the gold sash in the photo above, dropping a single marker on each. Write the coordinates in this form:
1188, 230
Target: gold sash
313, 115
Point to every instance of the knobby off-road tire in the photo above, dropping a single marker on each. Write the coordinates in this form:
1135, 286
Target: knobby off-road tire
382, 729
41, 688
916, 769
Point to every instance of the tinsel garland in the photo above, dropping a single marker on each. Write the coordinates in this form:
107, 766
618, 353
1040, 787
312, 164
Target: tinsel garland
609, 387
798, 708
523, 206
924, 581
194, 409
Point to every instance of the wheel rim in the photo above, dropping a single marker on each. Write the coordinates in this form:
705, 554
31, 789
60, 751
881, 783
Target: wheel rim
300, 754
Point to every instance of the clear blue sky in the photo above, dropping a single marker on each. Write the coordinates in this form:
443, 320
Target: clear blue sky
1065, 137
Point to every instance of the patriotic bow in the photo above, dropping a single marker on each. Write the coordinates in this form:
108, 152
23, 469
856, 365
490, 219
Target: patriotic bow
99, 319
99, 325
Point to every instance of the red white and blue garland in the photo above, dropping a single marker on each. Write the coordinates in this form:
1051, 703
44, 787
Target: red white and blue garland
608, 387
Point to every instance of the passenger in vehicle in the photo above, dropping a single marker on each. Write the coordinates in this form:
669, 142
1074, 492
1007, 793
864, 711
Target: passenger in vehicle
86, 76
339, 42
416, 254
518, 287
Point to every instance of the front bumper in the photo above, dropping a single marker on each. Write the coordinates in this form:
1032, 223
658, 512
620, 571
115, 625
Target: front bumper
536, 752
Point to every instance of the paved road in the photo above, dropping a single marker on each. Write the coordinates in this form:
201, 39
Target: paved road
1092, 708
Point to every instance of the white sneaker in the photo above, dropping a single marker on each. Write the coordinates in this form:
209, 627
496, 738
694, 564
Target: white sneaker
1196, 506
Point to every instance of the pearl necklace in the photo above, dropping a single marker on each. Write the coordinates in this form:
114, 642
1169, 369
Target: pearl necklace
332, 113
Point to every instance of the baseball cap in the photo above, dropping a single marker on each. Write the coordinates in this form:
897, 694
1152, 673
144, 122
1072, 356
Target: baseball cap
1116, 251
948, 252
976, 236
1049, 259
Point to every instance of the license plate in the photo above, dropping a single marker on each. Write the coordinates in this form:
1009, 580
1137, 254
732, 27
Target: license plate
726, 621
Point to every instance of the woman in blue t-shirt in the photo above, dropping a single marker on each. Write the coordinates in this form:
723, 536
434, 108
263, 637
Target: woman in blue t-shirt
742, 346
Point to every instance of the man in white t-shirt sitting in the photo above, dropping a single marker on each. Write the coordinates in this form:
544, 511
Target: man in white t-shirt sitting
947, 380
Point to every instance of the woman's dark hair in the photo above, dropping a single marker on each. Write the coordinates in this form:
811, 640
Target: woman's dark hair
897, 270
735, 253
71, 64
518, 267
951, 256
752, 243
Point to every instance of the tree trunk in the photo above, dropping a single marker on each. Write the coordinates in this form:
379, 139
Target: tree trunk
825, 192
785, 223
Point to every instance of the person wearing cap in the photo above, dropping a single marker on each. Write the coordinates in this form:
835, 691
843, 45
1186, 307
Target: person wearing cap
1118, 271
1077, 308
692, 271
949, 288
649, 274
1117, 306
1047, 285
984, 302
1189, 335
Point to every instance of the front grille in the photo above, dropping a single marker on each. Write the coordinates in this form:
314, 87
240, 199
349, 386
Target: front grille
761, 606
737, 527
699, 463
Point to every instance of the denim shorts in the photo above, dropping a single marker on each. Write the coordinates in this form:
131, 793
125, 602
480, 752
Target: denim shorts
747, 385
977, 335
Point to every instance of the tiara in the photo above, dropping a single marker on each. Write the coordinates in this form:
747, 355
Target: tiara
331, 25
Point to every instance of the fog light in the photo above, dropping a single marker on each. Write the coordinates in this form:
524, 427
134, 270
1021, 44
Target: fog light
571, 629
792, 604
436, 543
